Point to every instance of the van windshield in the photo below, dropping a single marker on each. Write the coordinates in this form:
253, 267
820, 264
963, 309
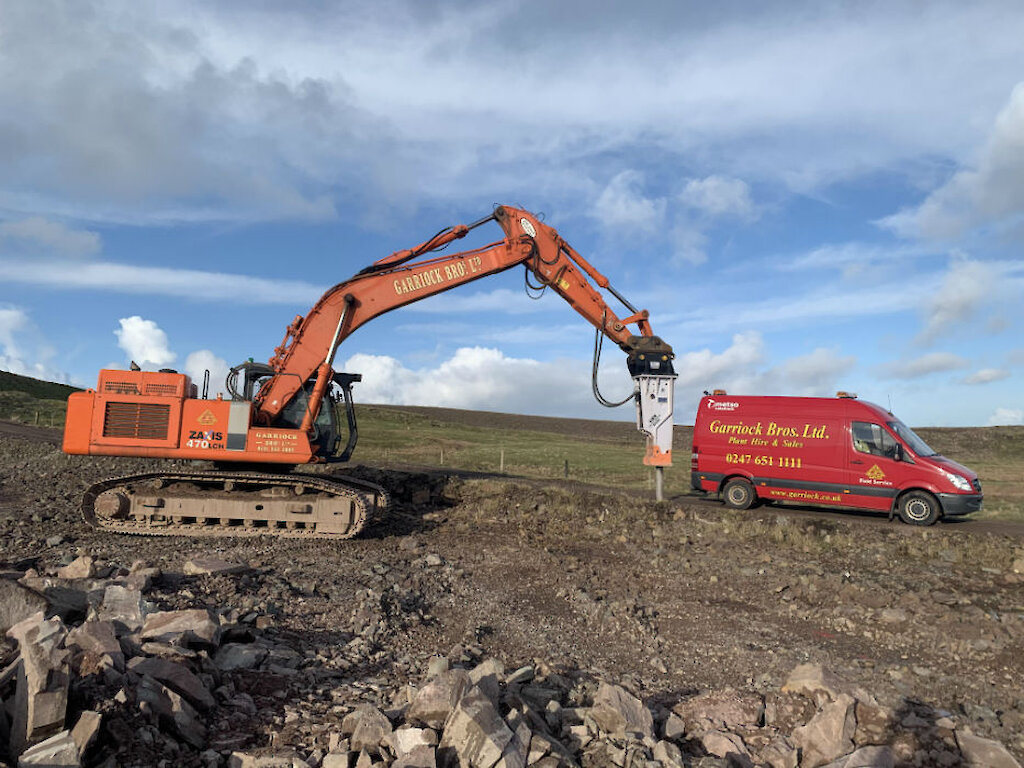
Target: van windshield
915, 443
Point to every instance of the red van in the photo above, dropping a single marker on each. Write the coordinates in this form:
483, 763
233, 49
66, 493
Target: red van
824, 451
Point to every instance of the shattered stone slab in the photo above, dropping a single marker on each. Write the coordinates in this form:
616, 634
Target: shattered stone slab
434, 702
475, 736
866, 757
829, 734
212, 566
285, 759
86, 730
18, 603
197, 626
728, 709
175, 676
239, 656
985, 753
96, 639
124, 607
407, 738
172, 710
82, 567
55, 752
813, 681
367, 728
43, 679
618, 712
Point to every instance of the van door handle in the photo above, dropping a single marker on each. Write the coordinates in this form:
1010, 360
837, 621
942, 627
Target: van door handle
856, 461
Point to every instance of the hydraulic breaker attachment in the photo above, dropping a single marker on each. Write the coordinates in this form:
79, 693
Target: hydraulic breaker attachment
650, 364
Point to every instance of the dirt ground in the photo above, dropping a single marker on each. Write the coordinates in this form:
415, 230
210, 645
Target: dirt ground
672, 599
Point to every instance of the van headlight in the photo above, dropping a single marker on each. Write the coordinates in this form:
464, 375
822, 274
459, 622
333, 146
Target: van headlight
958, 482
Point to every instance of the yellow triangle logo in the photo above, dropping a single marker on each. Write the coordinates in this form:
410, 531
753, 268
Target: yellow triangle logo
875, 473
206, 418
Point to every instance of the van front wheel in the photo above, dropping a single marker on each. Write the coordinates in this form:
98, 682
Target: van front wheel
739, 494
919, 508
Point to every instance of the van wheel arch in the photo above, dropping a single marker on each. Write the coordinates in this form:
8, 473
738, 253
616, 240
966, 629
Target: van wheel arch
738, 492
917, 506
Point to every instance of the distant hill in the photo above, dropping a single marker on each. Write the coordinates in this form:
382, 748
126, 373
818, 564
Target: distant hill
43, 390
32, 401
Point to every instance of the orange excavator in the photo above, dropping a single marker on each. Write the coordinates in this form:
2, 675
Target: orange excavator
287, 412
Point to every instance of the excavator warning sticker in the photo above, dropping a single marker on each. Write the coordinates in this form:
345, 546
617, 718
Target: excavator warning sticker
206, 418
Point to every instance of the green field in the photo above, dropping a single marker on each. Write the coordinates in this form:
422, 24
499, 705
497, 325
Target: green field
602, 453
32, 401
395, 436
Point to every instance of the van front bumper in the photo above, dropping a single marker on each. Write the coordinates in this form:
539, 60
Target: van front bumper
956, 504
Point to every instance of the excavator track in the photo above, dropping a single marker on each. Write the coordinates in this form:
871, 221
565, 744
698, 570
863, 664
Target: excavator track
234, 504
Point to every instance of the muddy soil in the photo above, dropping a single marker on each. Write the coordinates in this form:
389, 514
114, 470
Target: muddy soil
672, 599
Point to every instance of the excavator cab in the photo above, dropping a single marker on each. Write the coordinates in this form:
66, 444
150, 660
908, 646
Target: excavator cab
335, 416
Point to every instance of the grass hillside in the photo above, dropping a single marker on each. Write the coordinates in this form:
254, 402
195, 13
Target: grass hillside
32, 401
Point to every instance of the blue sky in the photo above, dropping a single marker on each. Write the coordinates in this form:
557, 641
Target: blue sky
806, 196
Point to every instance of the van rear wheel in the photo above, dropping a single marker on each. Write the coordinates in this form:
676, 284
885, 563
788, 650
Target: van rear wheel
739, 494
919, 508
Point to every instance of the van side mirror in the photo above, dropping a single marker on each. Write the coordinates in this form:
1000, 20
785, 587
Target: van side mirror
898, 453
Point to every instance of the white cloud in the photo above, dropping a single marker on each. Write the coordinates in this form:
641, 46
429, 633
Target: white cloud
925, 365
183, 283
144, 342
815, 373
987, 376
1006, 417
968, 284
741, 369
49, 236
621, 207
689, 244
196, 365
719, 196
715, 371
478, 378
991, 193
23, 350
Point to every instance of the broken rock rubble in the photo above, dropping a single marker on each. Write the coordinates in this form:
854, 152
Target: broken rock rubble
190, 686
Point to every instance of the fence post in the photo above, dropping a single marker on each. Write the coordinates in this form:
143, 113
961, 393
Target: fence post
501, 464
567, 468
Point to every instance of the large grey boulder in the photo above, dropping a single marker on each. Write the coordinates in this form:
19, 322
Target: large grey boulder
124, 607
58, 751
984, 752
43, 678
434, 702
198, 627
18, 603
618, 712
177, 677
829, 734
475, 736
367, 728
172, 711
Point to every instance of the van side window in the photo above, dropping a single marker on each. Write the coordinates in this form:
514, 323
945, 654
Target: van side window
873, 439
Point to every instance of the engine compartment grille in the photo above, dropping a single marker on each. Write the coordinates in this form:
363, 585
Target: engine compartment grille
144, 421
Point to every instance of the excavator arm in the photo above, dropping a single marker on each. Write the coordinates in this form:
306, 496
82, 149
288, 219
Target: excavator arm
308, 350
